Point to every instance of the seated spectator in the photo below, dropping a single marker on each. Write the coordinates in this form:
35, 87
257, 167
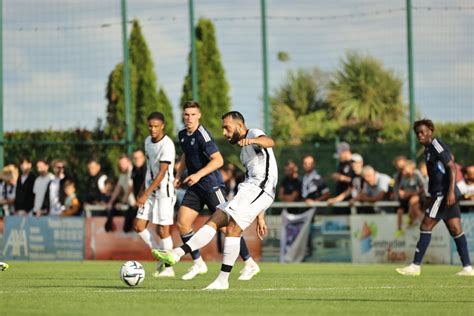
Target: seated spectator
399, 163
138, 180
343, 176
466, 185
410, 194
357, 163
9, 176
313, 187
290, 188
95, 183
424, 177
375, 188
72, 206
41, 185
24, 195
122, 193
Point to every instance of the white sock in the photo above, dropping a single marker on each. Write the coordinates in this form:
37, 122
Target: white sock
167, 243
231, 253
148, 239
250, 262
201, 238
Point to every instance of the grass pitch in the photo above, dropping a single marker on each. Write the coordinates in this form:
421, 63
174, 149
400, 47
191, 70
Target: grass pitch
94, 288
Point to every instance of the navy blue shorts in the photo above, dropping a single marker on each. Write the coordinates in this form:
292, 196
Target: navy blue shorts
437, 208
195, 198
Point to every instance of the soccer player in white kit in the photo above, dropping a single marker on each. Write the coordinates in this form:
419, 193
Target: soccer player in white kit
254, 196
156, 202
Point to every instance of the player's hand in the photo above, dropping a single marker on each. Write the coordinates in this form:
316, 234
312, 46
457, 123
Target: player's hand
142, 200
246, 141
192, 179
261, 228
177, 183
451, 199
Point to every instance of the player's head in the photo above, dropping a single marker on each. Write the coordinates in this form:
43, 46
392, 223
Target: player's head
308, 163
424, 131
233, 126
156, 125
191, 114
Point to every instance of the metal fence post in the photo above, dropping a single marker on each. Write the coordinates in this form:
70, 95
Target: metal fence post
266, 105
194, 71
411, 92
126, 79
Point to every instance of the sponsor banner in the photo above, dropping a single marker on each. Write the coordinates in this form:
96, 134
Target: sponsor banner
467, 221
330, 239
374, 240
294, 235
117, 245
43, 238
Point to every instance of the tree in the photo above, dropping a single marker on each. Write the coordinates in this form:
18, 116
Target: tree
364, 94
148, 98
213, 87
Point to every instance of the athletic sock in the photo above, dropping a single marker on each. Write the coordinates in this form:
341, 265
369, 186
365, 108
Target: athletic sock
167, 244
185, 238
421, 246
231, 253
244, 251
461, 245
147, 237
201, 238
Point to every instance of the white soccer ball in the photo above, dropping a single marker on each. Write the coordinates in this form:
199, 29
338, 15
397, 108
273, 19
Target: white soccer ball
132, 273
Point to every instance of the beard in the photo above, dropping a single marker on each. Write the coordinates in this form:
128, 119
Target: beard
235, 138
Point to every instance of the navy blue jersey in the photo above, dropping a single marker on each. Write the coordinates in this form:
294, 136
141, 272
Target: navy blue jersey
198, 148
437, 157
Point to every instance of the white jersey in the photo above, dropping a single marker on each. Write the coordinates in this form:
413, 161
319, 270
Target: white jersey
260, 164
161, 151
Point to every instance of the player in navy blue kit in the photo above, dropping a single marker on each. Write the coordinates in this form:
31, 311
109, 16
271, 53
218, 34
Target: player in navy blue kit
444, 204
202, 159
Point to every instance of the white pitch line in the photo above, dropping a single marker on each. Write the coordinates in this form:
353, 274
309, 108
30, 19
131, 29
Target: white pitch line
283, 289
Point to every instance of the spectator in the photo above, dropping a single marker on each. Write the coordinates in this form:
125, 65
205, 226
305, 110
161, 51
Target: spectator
424, 177
230, 183
138, 180
410, 194
314, 187
95, 183
375, 188
9, 176
466, 185
459, 169
344, 174
41, 185
357, 163
72, 206
290, 189
399, 163
25, 198
124, 188
55, 195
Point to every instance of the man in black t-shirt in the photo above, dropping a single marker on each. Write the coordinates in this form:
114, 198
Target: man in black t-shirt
344, 174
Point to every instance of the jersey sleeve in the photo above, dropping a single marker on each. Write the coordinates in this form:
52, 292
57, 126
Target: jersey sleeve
168, 153
207, 144
255, 133
441, 152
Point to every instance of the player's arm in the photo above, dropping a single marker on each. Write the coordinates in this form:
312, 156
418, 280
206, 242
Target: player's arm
179, 172
261, 225
452, 182
262, 141
156, 182
215, 162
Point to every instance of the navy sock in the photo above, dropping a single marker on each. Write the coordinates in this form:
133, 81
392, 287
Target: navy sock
461, 245
421, 246
244, 251
195, 254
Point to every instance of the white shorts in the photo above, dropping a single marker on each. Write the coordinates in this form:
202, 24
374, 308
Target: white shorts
159, 211
250, 201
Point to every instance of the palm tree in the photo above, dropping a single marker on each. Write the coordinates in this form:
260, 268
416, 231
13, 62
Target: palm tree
363, 93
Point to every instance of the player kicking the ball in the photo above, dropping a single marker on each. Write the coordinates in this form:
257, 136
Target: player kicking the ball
444, 204
254, 196
156, 203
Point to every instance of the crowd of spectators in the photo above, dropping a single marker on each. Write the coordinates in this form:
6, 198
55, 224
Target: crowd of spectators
25, 190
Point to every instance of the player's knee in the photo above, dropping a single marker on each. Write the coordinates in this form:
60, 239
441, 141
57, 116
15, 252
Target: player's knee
137, 227
163, 231
183, 228
454, 231
233, 231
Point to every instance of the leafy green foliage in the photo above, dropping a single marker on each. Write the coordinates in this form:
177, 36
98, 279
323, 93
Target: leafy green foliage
213, 87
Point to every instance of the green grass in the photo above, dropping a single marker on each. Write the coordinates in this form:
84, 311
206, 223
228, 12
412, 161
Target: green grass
94, 288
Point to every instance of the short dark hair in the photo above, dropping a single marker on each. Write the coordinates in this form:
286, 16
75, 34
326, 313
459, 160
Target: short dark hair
427, 122
235, 116
156, 116
191, 104
43, 160
25, 159
93, 160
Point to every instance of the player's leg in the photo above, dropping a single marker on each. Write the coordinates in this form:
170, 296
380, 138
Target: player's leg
429, 222
144, 215
163, 218
455, 229
251, 268
202, 237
